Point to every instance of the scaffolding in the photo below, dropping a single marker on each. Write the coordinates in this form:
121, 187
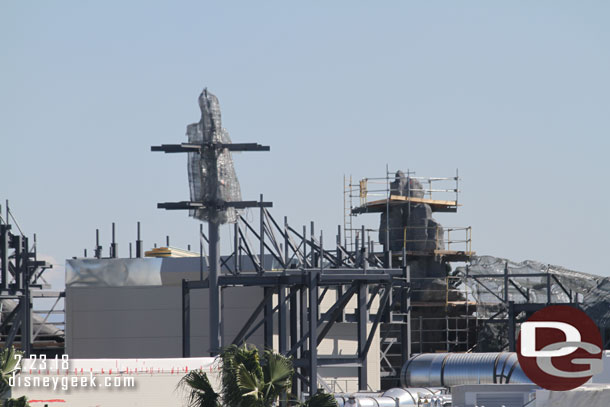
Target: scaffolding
453, 244
34, 331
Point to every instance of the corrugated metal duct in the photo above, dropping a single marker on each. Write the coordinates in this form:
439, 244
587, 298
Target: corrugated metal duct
450, 369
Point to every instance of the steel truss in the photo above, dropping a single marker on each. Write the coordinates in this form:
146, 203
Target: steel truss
21, 280
306, 273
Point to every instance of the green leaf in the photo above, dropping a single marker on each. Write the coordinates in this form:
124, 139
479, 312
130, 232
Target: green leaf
278, 373
321, 399
201, 393
248, 383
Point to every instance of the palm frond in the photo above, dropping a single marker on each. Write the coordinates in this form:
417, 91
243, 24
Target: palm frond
232, 358
321, 399
278, 373
200, 390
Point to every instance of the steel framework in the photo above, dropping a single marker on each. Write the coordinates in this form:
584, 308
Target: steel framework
306, 274
21, 281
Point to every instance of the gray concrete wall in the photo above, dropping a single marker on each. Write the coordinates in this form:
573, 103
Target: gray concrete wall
145, 322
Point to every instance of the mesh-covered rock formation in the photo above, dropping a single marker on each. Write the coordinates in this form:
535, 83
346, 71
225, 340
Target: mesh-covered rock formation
411, 223
212, 177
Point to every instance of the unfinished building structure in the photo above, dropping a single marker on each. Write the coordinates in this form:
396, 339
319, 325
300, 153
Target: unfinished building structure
21, 283
350, 314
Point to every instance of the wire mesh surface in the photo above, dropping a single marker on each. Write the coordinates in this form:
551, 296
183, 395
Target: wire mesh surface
212, 177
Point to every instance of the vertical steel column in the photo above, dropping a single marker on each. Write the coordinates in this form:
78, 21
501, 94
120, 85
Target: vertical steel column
268, 318
303, 318
113, 246
405, 308
511, 327
313, 332
4, 240
186, 320
548, 286
314, 258
282, 330
236, 259
139, 243
387, 246
294, 330
19, 275
362, 320
98, 248
200, 252
283, 307
339, 252
506, 283
26, 324
262, 236
214, 290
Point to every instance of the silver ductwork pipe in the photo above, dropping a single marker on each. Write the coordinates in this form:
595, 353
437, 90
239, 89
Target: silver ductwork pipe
396, 397
451, 369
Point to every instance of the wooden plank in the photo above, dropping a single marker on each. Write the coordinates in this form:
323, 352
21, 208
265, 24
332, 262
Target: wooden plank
380, 205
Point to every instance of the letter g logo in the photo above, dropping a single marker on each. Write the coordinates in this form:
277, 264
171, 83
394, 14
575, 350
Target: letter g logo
559, 348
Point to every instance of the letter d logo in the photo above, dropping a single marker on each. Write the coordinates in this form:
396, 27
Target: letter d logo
559, 348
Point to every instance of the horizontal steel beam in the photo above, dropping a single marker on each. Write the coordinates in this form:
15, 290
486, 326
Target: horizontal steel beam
343, 362
181, 205
197, 148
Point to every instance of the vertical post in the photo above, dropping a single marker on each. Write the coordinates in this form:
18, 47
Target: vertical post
362, 320
286, 243
294, 330
447, 332
19, 275
365, 259
200, 252
387, 246
313, 331
282, 325
98, 248
548, 286
421, 334
314, 261
26, 324
167, 241
139, 244
4, 238
186, 320
511, 326
283, 307
130, 251
214, 290
405, 309
268, 318
262, 236
357, 249
303, 318
506, 283
113, 246
304, 244
339, 252
236, 259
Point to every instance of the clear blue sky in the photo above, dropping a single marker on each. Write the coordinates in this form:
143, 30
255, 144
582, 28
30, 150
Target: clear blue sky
514, 94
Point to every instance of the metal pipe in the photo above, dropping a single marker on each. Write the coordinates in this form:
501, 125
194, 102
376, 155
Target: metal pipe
396, 397
113, 246
98, 248
450, 369
214, 289
138, 244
